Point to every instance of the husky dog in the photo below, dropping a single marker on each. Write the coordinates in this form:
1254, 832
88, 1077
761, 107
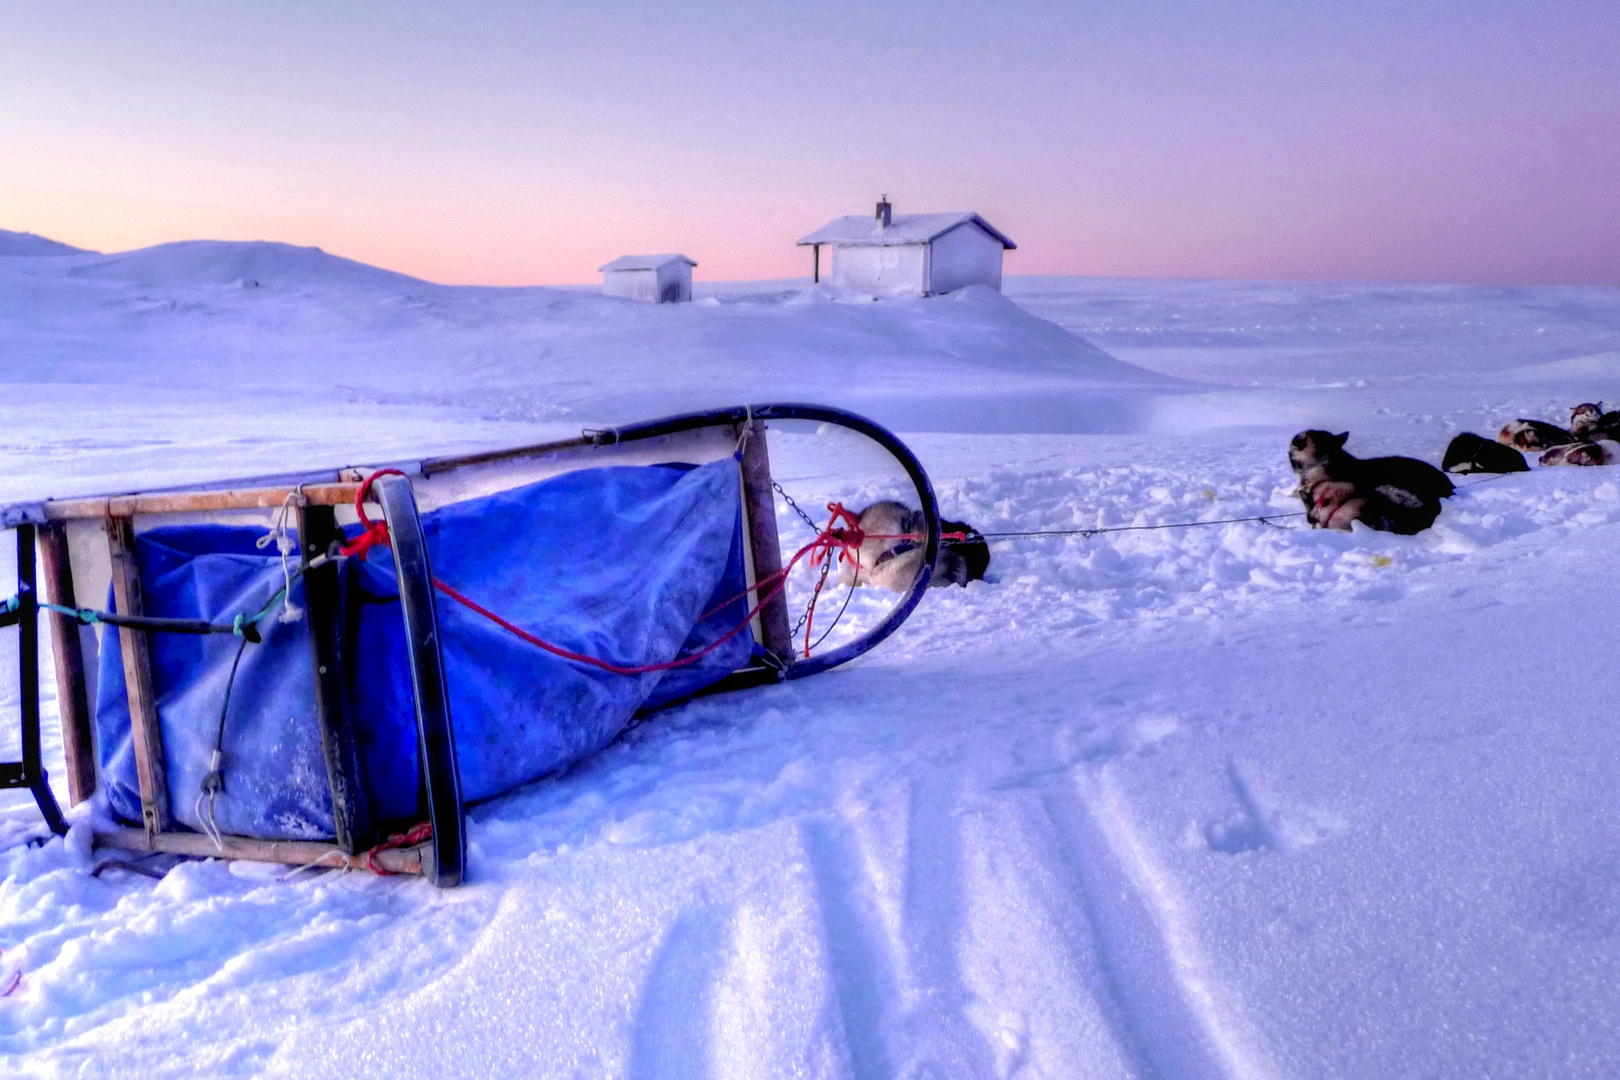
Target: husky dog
1602, 452
961, 561
894, 564
1393, 494
1588, 422
1335, 504
1533, 435
1470, 453
1584, 417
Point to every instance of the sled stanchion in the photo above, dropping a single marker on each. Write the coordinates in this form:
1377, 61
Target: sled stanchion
764, 546
72, 699
30, 772
151, 771
351, 824
435, 738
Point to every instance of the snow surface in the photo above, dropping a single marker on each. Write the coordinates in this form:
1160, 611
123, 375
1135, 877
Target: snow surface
30, 244
1239, 801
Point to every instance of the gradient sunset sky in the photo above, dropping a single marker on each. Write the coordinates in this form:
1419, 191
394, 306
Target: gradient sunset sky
527, 143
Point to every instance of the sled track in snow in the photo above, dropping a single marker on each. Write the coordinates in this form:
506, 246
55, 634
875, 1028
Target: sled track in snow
1160, 994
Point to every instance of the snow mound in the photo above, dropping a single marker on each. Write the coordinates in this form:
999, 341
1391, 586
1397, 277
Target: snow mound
229, 262
29, 245
260, 317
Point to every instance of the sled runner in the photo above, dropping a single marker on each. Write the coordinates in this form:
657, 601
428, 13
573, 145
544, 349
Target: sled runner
325, 668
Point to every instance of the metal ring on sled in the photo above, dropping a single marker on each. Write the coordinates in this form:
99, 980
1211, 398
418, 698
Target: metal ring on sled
798, 668
87, 543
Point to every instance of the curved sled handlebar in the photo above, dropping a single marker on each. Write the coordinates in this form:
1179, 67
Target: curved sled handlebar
885, 438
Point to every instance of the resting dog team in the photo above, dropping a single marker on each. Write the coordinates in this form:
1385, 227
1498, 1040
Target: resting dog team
1402, 494
1393, 494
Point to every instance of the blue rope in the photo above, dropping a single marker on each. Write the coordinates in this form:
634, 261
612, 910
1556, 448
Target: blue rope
84, 615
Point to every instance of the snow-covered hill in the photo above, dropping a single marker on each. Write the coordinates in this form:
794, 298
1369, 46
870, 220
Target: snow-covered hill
1240, 801
251, 264
26, 244
256, 335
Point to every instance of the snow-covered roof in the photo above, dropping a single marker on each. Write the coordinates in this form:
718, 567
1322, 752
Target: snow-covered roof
644, 262
863, 229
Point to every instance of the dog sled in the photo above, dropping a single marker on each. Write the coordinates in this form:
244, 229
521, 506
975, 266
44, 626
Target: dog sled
326, 668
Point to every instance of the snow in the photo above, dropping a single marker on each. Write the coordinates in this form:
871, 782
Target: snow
644, 262
866, 231
29, 244
1238, 801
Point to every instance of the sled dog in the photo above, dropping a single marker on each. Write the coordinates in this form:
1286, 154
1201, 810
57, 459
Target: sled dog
1470, 453
893, 564
1602, 452
1533, 435
1393, 494
1589, 423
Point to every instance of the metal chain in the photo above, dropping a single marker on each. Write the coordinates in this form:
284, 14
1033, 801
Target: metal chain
804, 517
811, 605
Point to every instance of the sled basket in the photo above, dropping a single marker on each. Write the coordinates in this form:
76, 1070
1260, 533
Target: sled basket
436, 632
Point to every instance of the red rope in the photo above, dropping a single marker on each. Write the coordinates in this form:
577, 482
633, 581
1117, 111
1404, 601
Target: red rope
420, 832
376, 532
810, 616
606, 665
845, 541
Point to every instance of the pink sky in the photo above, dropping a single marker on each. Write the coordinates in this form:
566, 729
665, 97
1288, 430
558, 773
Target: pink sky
527, 143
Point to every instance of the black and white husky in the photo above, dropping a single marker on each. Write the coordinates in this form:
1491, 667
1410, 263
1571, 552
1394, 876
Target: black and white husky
1393, 494
1470, 453
893, 564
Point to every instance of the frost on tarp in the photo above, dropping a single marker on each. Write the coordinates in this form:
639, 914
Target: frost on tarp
618, 563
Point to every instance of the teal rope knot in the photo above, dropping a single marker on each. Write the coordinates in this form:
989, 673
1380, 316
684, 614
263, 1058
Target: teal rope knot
236, 627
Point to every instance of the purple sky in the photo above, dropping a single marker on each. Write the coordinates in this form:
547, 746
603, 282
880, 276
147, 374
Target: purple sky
529, 142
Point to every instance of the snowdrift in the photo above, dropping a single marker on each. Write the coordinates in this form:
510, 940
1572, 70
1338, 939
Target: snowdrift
354, 335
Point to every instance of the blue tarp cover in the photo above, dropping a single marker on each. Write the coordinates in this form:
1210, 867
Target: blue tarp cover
617, 563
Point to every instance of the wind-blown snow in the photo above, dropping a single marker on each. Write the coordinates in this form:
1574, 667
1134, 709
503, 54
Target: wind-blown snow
1240, 801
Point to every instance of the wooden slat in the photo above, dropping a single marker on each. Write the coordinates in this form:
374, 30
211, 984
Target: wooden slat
150, 768
180, 502
317, 529
759, 504
72, 700
287, 852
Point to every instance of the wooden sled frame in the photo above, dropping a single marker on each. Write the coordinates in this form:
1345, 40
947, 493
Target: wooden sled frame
76, 536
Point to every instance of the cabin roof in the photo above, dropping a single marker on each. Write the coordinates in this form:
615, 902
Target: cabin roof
644, 262
863, 230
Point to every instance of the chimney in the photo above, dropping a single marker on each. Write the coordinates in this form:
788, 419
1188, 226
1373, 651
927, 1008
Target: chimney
883, 209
